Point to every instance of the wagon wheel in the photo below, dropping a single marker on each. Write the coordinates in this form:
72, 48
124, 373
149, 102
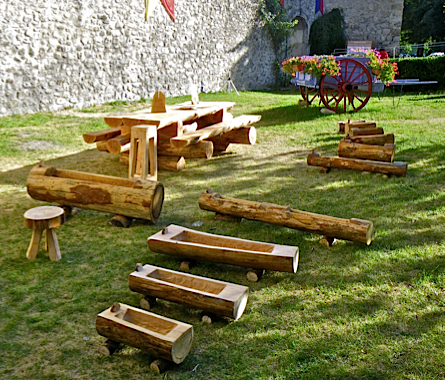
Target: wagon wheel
309, 94
350, 90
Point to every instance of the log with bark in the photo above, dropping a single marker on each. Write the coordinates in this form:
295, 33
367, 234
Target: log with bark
383, 153
119, 144
214, 130
136, 198
365, 131
359, 124
106, 134
347, 229
397, 168
186, 243
160, 336
245, 135
372, 139
214, 296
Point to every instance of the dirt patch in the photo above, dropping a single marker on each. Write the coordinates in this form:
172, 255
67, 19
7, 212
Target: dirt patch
38, 145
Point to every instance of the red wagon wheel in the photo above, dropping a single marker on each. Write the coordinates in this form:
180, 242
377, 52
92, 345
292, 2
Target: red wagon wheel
309, 94
349, 91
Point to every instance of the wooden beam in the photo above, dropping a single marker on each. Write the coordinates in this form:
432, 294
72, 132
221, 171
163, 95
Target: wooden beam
92, 137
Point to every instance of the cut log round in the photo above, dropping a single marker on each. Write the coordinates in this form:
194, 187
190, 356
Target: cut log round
373, 139
383, 153
347, 229
255, 275
160, 366
397, 168
136, 198
157, 335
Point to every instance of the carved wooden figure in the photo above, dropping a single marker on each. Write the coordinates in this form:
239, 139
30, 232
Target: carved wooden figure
160, 336
214, 296
347, 229
183, 242
134, 198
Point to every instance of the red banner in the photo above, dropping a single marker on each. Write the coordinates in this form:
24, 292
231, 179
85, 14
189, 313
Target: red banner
169, 6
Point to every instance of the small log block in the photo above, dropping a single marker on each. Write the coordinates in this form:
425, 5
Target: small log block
187, 243
359, 124
147, 303
365, 131
160, 366
110, 347
186, 265
214, 296
121, 221
245, 135
397, 167
214, 130
255, 275
157, 335
171, 163
383, 153
119, 144
327, 241
372, 139
347, 229
209, 318
106, 134
135, 198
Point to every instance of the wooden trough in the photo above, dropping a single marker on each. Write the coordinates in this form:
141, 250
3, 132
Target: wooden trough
160, 336
214, 296
133, 198
191, 244
347, 229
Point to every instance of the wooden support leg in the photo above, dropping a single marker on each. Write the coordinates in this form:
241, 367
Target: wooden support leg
110, 347
208, 317
327, 241
147, 303
160, 365
33, 248
255, 275
53, 245
187, 265
143, 152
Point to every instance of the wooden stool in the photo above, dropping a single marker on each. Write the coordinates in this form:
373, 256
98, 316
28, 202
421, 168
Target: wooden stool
143, 160
44, 218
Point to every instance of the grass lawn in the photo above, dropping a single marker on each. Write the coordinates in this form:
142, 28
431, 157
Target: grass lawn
350, 312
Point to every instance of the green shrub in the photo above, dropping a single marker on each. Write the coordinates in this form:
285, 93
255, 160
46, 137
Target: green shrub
422, 68
327, 33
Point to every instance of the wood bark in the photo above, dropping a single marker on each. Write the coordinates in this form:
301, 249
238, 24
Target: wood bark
359, 124
245, 135
347, 229
214, 130
217, 297
397, 168
135, 198
160, 336
372, 139
383, 153
186, 243
105, 134
119, 144
365, 131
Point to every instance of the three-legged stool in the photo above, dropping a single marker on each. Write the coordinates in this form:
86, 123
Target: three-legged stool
44, 218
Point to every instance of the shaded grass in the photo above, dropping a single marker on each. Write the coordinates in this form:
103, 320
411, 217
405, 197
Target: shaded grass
350, 312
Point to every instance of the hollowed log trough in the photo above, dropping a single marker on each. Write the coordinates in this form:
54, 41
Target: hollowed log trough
183, 242
210, 295
133, 198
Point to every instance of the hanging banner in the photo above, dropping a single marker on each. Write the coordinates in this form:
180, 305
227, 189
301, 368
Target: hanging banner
169, 6
319, 6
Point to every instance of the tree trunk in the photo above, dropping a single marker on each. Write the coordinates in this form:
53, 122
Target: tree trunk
348, 229
397, 168
160, 336
217, 297
366, 152
135, 198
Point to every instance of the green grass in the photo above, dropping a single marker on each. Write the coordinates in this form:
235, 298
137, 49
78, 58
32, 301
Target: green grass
350, 312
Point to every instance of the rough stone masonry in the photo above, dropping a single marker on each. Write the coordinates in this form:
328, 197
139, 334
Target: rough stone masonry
59, 54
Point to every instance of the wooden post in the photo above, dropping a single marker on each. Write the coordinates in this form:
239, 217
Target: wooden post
397, 168
143, 152
160, 336
215, 296
383, 153
347, 229
134, 198
186, 243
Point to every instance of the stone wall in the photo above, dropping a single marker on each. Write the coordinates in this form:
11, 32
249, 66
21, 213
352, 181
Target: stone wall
58, 54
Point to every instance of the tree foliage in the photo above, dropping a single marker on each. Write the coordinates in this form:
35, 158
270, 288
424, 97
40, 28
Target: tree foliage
423, 20
327, 33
